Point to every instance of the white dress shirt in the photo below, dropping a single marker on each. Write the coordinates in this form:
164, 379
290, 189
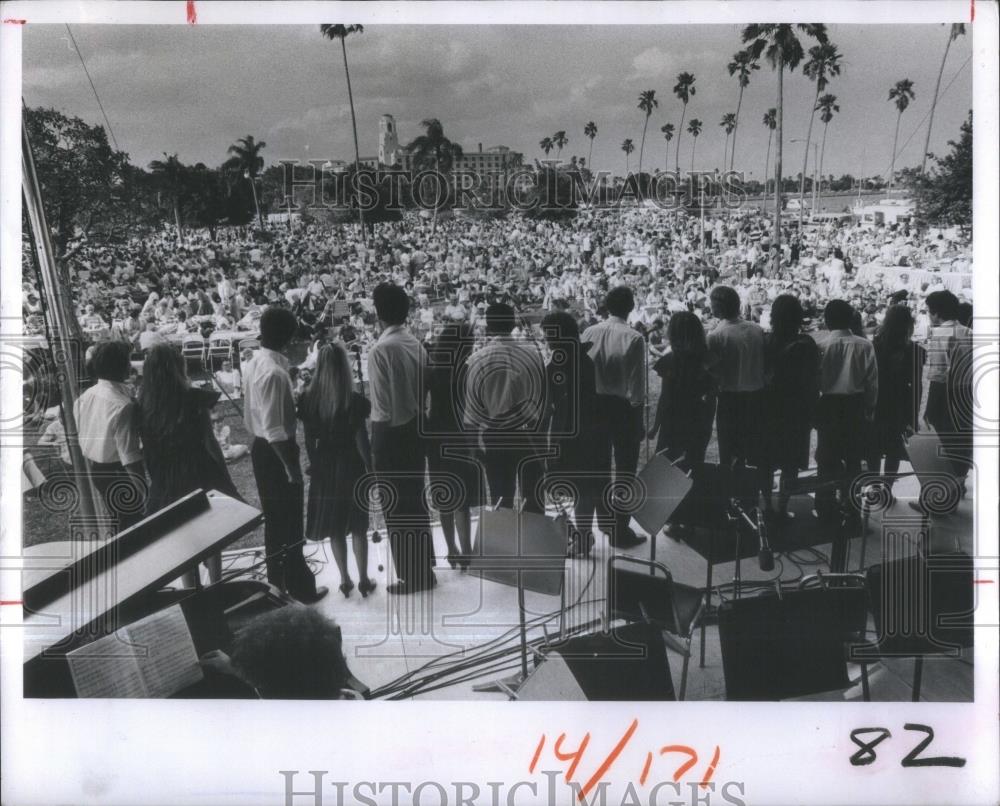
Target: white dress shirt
505, 385
847, 366
106, 424
269, 408
619, 356
736, 355
395, 369
947, 344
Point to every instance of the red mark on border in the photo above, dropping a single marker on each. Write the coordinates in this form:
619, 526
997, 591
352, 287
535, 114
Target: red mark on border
982, 582
12, 21
192, 13
11, 602
972, 10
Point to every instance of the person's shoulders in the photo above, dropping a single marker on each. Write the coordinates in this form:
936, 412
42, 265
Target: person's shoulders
361, 406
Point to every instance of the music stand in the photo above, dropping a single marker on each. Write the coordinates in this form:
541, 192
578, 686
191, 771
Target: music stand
665, 486
526, 550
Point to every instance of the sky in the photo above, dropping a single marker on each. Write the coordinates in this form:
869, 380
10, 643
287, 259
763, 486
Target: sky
194, 90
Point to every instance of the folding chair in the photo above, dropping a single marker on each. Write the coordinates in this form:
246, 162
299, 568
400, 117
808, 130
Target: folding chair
646, 592
922, 606
220, 348
193, 350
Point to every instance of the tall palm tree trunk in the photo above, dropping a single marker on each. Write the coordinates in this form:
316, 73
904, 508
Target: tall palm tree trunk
590, 155
930, 122
805, 159
767, 166
680, 133
777, 166
892, 163
736, 125
642, 143
354, 127
177, 218
725, 150
694, 145
822, 154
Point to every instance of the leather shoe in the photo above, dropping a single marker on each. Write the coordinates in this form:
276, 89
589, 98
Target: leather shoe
312, 598
401, 588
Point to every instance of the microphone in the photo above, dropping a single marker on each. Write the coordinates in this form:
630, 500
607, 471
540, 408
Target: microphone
765, 556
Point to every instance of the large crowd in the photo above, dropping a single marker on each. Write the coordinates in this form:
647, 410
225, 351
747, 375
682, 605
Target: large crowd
516, 340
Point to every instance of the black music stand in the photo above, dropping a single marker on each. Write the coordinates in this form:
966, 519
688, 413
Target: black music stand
665, 486
526, 550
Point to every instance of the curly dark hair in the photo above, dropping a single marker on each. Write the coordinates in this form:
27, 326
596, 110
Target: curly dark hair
292, 653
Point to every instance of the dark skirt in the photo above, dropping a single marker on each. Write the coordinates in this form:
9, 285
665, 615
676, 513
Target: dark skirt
336, 505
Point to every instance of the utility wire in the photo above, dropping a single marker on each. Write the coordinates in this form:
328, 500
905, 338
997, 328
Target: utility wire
98, 97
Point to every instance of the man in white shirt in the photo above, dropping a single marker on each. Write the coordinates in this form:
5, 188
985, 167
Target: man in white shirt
619, 355
396, 375
108, 433
504, 403
269, 416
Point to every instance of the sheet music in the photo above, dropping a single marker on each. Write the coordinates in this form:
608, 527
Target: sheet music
172, 662
154, 657
106, 667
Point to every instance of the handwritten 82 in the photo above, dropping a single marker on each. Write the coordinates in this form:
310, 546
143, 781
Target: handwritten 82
865, 754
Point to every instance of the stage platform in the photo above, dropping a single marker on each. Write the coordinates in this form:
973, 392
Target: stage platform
389, 637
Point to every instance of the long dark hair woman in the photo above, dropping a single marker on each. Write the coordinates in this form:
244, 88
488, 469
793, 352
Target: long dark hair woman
455, 478
900, 370
792, 363
686, 408
336, 438
179, 446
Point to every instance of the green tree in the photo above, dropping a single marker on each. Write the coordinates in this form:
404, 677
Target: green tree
433, 151
647, 103
742, 66
590, 131
668, 135
546, 145
340, 33
824, 62
171, 174
783, 50
728, 123
901, 93
628, 147
827, 108
245, 160
944, 194
771, 122
559, 139
694, 129
684, 89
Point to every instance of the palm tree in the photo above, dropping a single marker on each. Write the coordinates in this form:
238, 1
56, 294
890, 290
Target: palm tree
341, 32
771, 121
559, 139
957, 30
245, 159
590, 130
433, 150
668, 135
728, 122
742, 66
827, 107
782, 48
647, 103
824, 62
902, 94
172, 174
694, 129
684, 89
546, 145
628, 148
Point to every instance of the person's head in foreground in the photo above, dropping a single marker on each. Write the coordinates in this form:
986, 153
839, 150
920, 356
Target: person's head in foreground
725, 302
392, 304
838, 315
292, 653
277, 327
942, 306
499, 319
620, 301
